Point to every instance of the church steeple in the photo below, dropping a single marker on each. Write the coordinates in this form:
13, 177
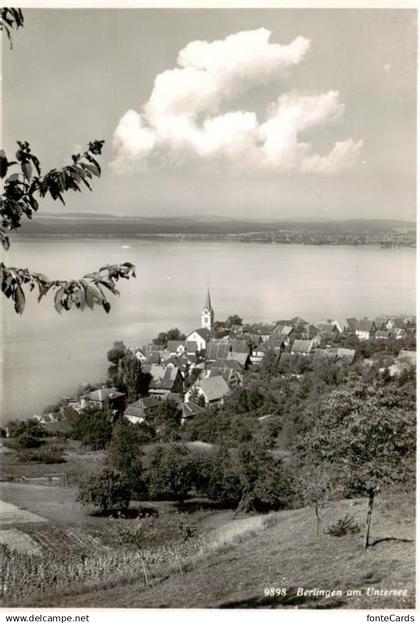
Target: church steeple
207, 315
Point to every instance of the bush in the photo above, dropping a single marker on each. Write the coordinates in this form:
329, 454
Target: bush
346, 525
47, 456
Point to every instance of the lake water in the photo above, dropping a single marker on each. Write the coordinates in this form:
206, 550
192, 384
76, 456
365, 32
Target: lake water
46, 355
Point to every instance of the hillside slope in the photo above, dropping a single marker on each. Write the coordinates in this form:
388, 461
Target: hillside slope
288, 554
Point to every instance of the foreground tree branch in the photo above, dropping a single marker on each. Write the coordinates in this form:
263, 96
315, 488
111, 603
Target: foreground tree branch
75, 293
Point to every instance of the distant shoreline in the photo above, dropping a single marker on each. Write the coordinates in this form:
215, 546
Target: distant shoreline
237, 238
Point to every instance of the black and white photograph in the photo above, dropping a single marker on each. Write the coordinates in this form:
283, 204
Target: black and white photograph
208, 310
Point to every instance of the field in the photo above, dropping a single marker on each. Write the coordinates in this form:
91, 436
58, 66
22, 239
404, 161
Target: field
75, 563
283, 551
58, 555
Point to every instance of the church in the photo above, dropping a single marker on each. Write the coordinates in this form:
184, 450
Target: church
207, 315
203, 335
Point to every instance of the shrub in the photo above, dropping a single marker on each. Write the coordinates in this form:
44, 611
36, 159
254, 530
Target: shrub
48, 455
346, 525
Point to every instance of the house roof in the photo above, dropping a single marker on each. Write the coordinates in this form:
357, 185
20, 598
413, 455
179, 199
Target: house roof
204, 333
140, 407
325, 353
217, 350
365, 325
327, 327
282, 329
239, 346
351, 323
297, 320
214, 388
232, 364
163, 378
302, 346
154, 357
241, 358
189, 409
103, 394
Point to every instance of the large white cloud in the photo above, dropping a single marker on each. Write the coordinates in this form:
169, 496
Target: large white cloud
180, 121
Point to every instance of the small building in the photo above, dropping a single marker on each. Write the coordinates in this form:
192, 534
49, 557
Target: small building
302, 347
176, 347
142, 409
214, 390
104, 398
365, 329
201, 337
165, 380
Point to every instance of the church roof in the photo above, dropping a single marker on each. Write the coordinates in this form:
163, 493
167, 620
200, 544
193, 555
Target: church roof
207, 304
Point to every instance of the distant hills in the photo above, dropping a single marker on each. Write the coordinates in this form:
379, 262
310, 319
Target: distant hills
101, 225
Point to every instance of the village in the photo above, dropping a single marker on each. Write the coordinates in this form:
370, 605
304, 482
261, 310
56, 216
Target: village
203, 368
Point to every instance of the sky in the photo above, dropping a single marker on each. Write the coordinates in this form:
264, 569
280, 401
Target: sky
244, 113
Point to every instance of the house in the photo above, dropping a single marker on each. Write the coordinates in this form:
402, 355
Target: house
351, 325
365, 329
176, 347
231, 370
201, 337
104, 398
308, 332
213, 390
165, 379
142, 409
179, 361
329, 326
302, 347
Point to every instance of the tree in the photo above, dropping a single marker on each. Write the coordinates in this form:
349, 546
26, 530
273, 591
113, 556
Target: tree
317, 485
24, 185
167, 420
233, 320
265, 483
173, 334
171, 473
125, 452
109, 489
93, 428
126, 372
369, 444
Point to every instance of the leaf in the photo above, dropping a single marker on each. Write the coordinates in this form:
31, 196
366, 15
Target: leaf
27, 170
19, 299
57, 300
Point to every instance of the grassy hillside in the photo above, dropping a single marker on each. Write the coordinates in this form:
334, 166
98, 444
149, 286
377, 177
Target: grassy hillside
282, 550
